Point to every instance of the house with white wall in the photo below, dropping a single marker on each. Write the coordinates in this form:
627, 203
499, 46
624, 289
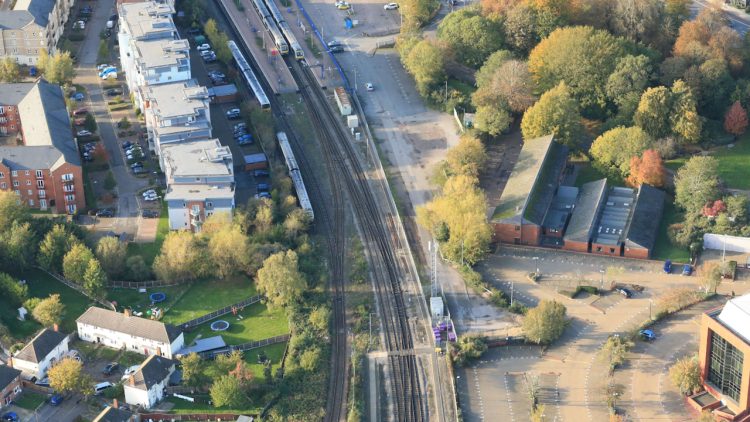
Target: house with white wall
41, 353
129, 332
145, 388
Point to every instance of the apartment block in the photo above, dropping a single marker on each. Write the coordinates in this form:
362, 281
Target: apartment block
42, 165
32, 25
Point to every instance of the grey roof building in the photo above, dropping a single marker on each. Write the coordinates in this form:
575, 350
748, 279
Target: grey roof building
12, 94
40, 346
153, 371
644, 225
590, 200
113, 414
7, 376
129, 325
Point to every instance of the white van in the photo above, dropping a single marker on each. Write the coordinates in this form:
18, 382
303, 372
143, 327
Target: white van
99, 388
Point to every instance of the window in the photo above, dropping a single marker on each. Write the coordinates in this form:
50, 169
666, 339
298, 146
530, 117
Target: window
40, 184
2, 175
31, 202
14, 173
28, 183
13, 127
209, 205
67, 177
598, 248
3, 185
29, 192
518, 228
42, 194
43, 204
725, 367
26, 173
15, 183
39, 173
70, 198
71, 209
611, 250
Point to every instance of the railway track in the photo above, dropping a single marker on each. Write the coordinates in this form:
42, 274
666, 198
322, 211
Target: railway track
408, 398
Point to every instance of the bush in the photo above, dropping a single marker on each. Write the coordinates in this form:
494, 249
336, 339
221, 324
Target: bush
685, 375
468, 349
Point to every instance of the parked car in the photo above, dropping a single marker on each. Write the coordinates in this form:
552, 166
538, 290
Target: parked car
233, 113
261, 173
390, 6
240, 126
216, 74
10, 417
139, 170
55, 400
245, 141
151, 198
203, 47
625, 292
262, 187
262, 195
149, 192
44, 382
369, 87
114, 92
337, 49
110, 367
99, 388
80, 112
102, 66
83, 132
209, 59
105, 212
73, 354
78, 96
342, 5
687, 269
333, 43
647, 335
148, 214
668, 266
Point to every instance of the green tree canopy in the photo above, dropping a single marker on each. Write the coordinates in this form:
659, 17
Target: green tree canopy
425, 62
662, 112
68, 376
485, 73
545, 323
76, 261
18, 245
57, 242
49, 311
94, 279
227, 391
631, 76
467, 157
193, 370
470, 36
280, 280
583, 58
180, 257
556, 112
111, 254
9, 70
685, 375
697, 183
229, 250
11, 209
613, 150
57, 69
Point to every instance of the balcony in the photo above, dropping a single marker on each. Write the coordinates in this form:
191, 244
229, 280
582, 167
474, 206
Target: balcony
69, 188
69, 199
42, 194
67, 178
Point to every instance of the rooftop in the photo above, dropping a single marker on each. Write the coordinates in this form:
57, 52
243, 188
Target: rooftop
15, 19
40, 346
133, 325
736, 316
144, 19
162, 52
197, 158
644, 225
198, 192
152, 371
39, 9
7, 375
12, 94
614, 217
583, 219
561, 207
176, 99
111, 414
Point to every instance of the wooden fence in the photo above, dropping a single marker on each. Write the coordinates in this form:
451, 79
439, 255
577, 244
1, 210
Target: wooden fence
245, 346
159, 417
223, 311
80, 289
148, 284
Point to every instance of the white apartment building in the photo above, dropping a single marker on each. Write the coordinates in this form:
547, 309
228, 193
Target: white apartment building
200, 182
31, 26
125, 331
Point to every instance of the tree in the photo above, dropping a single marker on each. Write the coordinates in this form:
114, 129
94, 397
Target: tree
89, 123
319, 318
496, 8
509, 87
280, 280
638, 20
111, 254
484, 75
228, 248
94, 280
227, 391
583, 58
179, 257
309, 360
696, 183
137, 268
653, 112
11, 209
460, 206
686, 123
68, 376
49, 311
492, 120
425, 63
631, 76
57, 69
103, 53
192, 370
296, 222
469, 348
556, 113
17, 246
613, 150
648, 169
12, 290
614, 350
9, 71
521, 29
218, 41
545, 323
416, 13
467, 157
57, 242
711, 276
76, 262
470, 36
685, 375
735, 120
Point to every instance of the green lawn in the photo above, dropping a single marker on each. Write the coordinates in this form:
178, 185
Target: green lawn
258, 322
42, 285
664, 249
207, 296
733, 163
201, 406
588, 173
149, 250
140, 302
30, 400
92, 352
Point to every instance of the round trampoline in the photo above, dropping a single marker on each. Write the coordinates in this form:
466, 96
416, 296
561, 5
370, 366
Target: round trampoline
219, 325
158, 297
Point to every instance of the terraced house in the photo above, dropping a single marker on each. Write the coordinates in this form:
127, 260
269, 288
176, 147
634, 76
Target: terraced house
39, 160
31, 26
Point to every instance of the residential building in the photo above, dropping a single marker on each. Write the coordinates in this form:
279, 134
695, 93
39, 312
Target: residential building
44, 168
145, 388
31, 26
10, 96
176, 112
200, 182
725, 373
537, 209
125, 331
115, 413
10, 385
41, 353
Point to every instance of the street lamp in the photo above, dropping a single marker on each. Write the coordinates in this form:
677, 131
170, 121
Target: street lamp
601, 282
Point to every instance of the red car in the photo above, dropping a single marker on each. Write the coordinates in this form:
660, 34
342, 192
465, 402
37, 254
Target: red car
79, 122
80, 112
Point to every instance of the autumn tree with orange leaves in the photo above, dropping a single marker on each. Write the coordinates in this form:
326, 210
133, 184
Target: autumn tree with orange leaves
735, 121
648, 169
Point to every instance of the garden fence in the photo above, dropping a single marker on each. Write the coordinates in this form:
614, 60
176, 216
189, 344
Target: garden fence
223, 311
245, 346
79, 289
148, 284
190, 417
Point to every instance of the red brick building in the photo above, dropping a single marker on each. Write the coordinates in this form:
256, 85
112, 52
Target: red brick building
10, 385
45, 169
10, 96
725, 371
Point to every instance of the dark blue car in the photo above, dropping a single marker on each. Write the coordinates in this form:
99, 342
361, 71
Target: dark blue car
668, 266
55, 400
10, 417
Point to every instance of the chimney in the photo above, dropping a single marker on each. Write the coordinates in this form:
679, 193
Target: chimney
126, 312
115, 404
55, 327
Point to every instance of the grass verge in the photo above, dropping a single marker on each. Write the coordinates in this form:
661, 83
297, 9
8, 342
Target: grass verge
207, 296
258, 322
149, 250
664, 249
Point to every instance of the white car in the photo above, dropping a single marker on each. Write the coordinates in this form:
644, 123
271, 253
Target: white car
203, 47
149, 192
151, 198
390, 6
83, 133
102, 67
130, 371
369, 87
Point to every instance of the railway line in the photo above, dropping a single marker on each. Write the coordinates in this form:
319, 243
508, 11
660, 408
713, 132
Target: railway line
406, 388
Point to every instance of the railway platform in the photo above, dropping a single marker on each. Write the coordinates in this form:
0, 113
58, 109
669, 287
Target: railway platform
254, 38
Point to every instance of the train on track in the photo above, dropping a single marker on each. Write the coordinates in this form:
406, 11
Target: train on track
285, 29
249, 75
295, 174
270, 23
